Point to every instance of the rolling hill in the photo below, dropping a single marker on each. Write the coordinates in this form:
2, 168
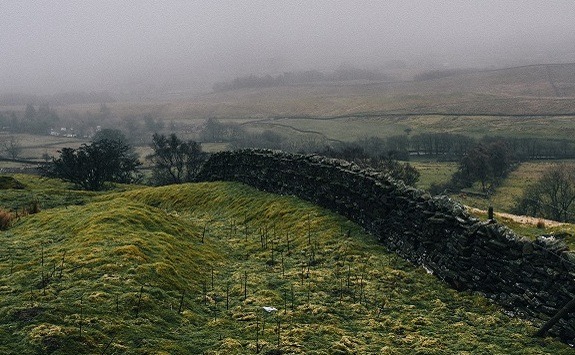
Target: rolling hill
189, 268
529, 90
536, 100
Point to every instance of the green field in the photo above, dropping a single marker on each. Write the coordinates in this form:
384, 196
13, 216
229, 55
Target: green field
356, 127
512, 188
34, 147
432, 172
188, 268
506, 194
505, 197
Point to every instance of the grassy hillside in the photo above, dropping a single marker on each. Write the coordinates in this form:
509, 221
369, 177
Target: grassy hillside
187, 269
532, 101
523, 90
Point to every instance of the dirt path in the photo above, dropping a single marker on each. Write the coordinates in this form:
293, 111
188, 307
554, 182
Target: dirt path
520, 219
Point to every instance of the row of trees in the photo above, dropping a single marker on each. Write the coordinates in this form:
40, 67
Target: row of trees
441, 146
385, 163
486, 162
448, 146
33, 120
343, 73
42, 119
110, 159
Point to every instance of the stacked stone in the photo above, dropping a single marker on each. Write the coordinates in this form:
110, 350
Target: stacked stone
531, 279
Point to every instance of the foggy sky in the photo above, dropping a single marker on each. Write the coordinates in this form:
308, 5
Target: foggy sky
56, 45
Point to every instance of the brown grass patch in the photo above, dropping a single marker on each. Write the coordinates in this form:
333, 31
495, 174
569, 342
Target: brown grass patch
6, 218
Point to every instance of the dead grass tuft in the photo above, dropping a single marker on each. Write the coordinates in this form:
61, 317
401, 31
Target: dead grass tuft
541, 224
6, 219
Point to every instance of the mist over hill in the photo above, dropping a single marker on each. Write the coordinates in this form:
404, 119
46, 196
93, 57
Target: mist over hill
144, 49
64, 98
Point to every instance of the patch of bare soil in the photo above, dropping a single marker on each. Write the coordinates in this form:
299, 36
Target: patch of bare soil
520, 219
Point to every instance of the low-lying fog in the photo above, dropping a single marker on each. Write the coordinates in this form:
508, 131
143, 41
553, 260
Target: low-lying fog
50, 46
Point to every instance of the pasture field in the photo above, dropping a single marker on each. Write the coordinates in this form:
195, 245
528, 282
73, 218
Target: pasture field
34, 146
433, 172
351, 128
524, 91
503, 200
189, 268
506, 195
511, 190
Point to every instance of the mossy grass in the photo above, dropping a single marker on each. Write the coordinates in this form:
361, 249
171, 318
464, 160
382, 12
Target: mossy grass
188, 268
49, 193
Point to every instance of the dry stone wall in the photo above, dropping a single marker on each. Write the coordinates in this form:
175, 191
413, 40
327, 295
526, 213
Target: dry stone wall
533, 279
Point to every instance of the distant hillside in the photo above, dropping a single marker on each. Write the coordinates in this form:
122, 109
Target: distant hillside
189, 268
529, 90
67, 98
532, 80
303, 77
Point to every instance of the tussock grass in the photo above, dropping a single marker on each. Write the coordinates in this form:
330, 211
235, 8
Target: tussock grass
129, 257
6, 218
47, 193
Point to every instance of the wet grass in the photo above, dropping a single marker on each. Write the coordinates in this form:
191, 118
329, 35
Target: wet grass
188, 268
433, 172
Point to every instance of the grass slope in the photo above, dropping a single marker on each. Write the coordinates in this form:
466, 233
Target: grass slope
110, 276
524, 90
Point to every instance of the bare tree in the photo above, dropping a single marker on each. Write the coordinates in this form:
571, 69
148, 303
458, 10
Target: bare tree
12, 147
553, 196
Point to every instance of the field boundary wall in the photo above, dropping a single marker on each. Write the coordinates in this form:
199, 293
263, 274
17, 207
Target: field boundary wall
531, 279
